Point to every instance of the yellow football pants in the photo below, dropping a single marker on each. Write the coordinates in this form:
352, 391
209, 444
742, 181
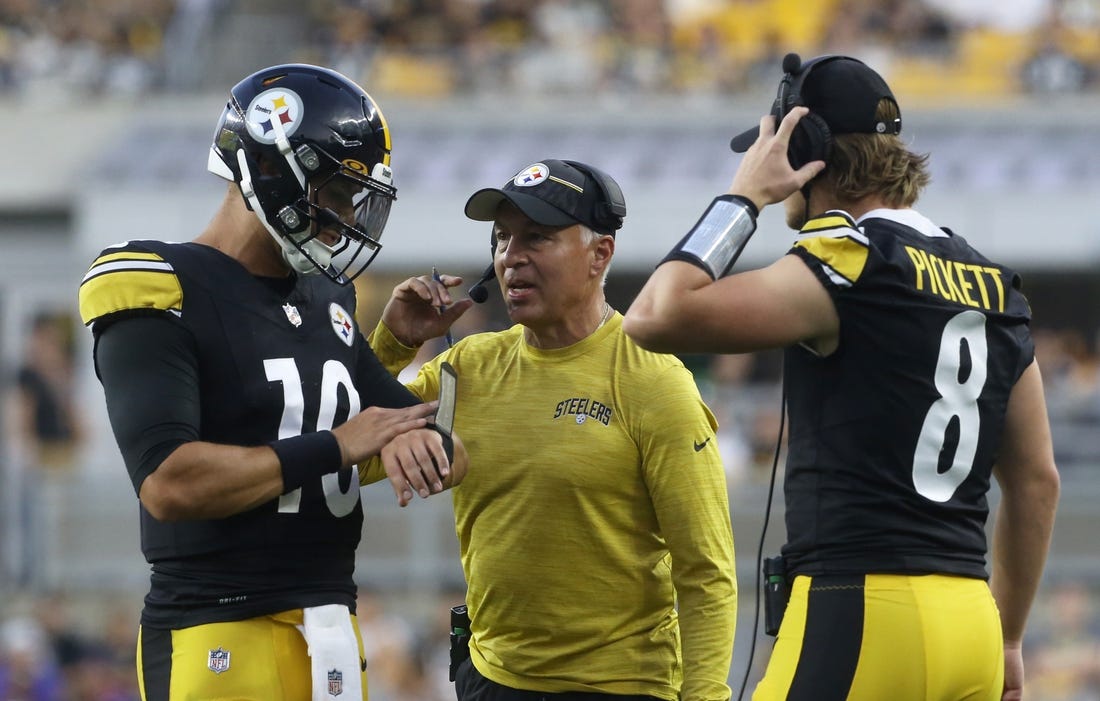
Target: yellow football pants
259, 659
896, 637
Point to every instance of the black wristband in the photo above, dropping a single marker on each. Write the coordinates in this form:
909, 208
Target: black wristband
448, 442
306, 457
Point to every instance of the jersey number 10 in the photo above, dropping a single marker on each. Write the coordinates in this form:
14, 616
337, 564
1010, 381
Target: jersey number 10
334, 375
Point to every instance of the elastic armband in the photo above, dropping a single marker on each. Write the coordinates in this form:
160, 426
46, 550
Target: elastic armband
306, 457
717, 239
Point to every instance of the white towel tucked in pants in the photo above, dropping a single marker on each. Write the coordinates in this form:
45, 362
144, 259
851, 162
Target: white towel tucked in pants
334, 653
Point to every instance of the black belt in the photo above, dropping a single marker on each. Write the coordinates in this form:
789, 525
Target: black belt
478, 686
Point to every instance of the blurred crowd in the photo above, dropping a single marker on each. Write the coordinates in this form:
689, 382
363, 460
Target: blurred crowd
48, 654
110, 47
444, 48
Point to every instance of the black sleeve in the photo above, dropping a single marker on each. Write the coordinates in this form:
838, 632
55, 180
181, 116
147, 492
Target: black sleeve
377, 387
149, 369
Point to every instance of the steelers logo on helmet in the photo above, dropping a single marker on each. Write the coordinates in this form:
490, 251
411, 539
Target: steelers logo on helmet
531, 175
357, 166
271, 110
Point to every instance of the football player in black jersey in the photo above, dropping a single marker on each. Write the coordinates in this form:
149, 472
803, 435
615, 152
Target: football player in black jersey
911, 381
243, 396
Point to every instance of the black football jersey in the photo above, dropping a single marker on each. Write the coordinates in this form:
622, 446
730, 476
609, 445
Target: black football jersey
894, 435
271, 363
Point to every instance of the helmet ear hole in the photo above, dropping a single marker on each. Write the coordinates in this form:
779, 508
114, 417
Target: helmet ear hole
811, 141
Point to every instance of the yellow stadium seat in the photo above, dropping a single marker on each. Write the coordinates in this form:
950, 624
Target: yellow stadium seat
411, 75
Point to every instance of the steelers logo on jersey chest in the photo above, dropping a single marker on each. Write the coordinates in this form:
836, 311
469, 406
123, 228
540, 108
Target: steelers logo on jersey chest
342, 323
583, 409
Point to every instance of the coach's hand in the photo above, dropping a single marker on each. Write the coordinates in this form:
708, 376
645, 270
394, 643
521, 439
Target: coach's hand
765, 175
421, 308
416, 462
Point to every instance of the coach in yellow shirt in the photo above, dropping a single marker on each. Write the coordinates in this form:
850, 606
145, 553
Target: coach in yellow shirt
593, 522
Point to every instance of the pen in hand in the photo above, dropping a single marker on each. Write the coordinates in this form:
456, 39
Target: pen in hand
449, 338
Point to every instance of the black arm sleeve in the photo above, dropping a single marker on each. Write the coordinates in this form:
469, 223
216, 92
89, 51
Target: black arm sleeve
149, 370
377, 387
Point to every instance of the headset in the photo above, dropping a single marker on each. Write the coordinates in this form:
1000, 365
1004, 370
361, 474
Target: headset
610, 210
811, 139
611, 207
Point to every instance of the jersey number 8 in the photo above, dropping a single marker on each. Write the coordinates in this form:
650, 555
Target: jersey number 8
957, 400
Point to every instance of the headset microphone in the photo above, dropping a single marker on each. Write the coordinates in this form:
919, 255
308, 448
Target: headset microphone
792, 63
477, 291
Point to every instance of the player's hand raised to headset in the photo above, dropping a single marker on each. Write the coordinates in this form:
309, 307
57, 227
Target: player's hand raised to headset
765, 175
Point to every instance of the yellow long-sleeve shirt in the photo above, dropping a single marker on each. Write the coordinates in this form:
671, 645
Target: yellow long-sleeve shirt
593, 522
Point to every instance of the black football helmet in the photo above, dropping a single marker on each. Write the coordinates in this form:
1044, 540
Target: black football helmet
310, 151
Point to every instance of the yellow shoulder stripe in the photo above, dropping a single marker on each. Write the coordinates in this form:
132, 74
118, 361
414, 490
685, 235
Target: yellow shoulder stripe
129, 280
830, 221
845, 255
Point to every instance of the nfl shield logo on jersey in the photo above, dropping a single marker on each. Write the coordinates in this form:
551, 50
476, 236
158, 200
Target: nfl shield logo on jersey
218, 661
292, 314
335, 682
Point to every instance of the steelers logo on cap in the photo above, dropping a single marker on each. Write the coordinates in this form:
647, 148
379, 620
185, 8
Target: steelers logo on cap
531, 175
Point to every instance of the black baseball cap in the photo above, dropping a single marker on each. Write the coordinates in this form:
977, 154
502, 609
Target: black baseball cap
842, 90
552, 193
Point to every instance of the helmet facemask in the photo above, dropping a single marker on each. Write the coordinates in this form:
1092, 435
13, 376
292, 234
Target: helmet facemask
344, 214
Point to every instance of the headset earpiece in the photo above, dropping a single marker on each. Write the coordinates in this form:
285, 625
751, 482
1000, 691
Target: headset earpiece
611, 207
811, 140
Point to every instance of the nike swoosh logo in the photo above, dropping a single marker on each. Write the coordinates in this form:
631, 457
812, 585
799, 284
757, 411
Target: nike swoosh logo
699, 446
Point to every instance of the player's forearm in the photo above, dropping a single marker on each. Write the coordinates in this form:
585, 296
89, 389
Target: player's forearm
1021, 540
200, 480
